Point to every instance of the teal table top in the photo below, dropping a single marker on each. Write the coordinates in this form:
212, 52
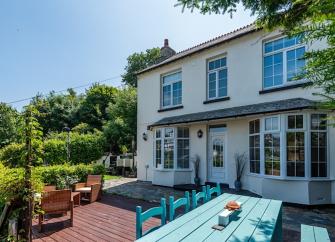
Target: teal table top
259, 220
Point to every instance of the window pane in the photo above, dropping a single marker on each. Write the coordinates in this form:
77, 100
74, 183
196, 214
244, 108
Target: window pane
168, 153
257, 126
322, 169
268, 82
158, 152
278, 80
172, 78
212, 85
275, 123
169, 132
291, 121
299, 121
268, 47
300, 169
183, 153
278, 44
268, 61
289, 42
158, 133
268, 124
268, 71
177, 93
183, 132
167, 95
278, 58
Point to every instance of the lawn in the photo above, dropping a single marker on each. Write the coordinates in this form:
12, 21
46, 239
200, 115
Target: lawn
110, 177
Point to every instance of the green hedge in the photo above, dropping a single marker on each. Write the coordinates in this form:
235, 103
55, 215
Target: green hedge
84, 148
63, 176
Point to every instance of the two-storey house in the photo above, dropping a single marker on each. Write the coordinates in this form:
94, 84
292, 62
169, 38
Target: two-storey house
236, 94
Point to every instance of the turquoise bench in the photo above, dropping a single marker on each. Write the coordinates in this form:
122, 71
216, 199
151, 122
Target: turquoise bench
197, 196
314, 234
142, 217
211, 191
184, 201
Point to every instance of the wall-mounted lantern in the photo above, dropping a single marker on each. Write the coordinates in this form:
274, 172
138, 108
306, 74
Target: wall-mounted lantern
145, 136
200, 133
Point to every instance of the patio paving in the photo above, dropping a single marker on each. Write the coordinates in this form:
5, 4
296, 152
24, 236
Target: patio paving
293, 216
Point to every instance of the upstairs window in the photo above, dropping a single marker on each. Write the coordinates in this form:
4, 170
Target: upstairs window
217, 78
282, 61
172, 90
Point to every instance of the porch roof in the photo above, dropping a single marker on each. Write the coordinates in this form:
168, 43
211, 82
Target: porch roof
240, 111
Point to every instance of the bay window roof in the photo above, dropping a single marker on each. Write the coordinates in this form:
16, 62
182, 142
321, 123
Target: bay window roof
240, 111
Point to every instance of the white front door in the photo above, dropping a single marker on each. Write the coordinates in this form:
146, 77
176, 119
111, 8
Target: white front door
216, 156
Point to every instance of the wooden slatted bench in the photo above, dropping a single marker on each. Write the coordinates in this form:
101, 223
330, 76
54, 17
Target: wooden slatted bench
314, 234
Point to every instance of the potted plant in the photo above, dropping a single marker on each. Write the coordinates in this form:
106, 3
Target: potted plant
240, 161
196, 164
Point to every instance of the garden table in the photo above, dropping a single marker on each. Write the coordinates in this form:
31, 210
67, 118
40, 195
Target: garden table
259, 220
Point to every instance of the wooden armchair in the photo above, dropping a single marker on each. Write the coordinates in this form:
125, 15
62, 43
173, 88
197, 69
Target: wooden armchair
56, 202
92, 187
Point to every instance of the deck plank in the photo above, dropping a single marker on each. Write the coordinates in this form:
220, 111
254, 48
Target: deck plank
111, 219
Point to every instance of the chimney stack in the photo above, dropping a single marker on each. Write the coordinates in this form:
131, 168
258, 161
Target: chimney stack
166, 43
166, 51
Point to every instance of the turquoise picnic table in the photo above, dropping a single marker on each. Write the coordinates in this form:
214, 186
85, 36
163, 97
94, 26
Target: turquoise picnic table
259, 220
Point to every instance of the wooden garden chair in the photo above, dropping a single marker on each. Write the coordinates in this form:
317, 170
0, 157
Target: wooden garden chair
56, 202
211, 191
142, 217
184, 201
49, 188
197, 196
92, 187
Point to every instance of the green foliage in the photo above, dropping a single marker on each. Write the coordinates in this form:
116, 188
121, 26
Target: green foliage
55, 151
93, 107
82, 128
10, 123
137, 62
121, 127
56, 110
12, 155
64, 176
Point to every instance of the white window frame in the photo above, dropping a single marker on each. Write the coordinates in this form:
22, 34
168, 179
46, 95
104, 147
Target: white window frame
283, 129
310, 130
304, 129
171, 84
260, 144
284, 51
216, 71
175, 149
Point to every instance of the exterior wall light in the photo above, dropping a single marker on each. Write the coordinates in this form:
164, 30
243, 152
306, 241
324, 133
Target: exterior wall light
200, 133
145, 136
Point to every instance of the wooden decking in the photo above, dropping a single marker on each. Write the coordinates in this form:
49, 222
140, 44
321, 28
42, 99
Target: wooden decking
111, 219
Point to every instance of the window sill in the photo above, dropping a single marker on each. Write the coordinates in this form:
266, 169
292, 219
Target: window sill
173, 170
282, 88
170, 109
216, 100
287, 178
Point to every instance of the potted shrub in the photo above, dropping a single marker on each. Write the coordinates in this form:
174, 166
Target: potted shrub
240, 161
196, 164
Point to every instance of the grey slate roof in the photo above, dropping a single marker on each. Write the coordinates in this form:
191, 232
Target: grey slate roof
208, 44
240, 111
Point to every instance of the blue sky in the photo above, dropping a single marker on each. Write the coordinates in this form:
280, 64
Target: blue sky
53, 45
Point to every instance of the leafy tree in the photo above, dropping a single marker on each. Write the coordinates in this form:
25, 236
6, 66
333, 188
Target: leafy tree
10, 123
121, 126
56, 110
137, 62
311, 19
93, 108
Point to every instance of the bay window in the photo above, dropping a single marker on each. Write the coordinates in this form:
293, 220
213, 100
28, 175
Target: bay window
295, 146
293, 142
282, 61
319, 145
254, 146
217, 78
171, 90
172, 150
